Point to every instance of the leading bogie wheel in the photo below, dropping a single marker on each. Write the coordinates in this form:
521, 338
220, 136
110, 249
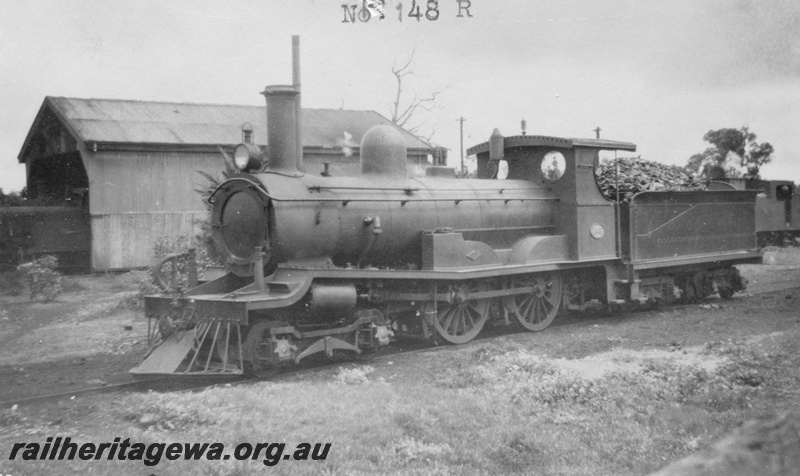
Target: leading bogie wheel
536, 309
257, 350
463, 319
726, 292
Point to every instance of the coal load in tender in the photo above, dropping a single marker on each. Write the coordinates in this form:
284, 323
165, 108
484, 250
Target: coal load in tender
639, 175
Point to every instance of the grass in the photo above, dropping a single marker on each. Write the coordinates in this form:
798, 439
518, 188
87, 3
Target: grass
499, 408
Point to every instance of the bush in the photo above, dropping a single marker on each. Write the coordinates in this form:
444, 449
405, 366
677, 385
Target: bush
41, 277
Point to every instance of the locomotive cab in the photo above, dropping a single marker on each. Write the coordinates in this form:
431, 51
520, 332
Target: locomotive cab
566, 168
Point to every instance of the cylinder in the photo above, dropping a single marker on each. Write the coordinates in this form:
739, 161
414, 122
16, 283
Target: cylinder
282, 129
333, 300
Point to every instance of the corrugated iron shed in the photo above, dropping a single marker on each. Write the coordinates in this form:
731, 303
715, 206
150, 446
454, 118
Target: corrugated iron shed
114, 121
138, 161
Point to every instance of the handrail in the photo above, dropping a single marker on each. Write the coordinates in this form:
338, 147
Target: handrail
191, 270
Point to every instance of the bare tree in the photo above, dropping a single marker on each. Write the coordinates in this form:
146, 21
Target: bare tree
405, 113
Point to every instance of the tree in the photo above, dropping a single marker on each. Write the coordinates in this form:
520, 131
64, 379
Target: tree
205, 234
13, 199
731, 148
212, 181
404, 112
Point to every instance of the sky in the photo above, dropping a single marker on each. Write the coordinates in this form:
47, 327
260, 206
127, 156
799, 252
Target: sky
656, 73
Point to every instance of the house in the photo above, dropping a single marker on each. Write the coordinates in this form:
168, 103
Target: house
134, 164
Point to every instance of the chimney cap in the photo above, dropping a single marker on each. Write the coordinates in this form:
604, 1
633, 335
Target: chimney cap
280, 90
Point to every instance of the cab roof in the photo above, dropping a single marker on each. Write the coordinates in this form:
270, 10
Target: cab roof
556, 142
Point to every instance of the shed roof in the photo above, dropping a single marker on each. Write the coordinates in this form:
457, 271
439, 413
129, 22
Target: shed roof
150, 122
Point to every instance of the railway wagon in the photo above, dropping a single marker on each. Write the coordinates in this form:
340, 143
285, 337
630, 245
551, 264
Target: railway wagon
324, 265
29, 232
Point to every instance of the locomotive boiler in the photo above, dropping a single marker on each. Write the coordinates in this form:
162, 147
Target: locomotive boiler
370, 221
323, 265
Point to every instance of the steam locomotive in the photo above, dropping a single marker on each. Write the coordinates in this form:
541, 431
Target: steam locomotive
324, 265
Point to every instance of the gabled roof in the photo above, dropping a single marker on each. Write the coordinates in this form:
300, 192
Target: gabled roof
115, 121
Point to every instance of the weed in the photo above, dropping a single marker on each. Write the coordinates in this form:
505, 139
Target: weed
516, 453
10, 417
408, 449
41, 277
355, 376
165, 412
724, 348
416, 424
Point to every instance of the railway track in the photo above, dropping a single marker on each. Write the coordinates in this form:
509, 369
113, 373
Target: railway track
786, 279
408, 347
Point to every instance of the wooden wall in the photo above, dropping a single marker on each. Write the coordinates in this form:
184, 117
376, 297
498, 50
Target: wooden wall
137, 197
125, 240
147, 182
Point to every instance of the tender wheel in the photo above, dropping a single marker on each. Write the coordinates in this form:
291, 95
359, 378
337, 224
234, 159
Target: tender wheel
257, 350
537, 309
688, 292
461, 321
573, 294
668, 291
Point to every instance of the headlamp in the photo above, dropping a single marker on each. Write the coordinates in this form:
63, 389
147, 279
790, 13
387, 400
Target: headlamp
247, 157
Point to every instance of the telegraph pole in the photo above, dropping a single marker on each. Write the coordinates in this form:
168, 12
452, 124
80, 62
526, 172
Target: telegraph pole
461, 121
597, 131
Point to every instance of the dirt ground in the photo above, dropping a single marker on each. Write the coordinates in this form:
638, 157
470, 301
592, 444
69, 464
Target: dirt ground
85, 338
82, 339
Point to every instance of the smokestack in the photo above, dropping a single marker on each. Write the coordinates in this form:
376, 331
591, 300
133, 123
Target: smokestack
298, 107
282, 128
